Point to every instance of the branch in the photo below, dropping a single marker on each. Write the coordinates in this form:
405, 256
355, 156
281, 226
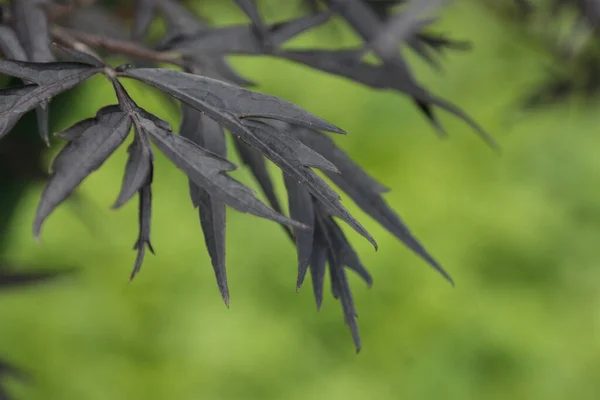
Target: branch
74, 38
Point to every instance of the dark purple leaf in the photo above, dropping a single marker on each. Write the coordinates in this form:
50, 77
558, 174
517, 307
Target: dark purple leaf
226, 103
80, 157
210, 135
138, 170
301, 209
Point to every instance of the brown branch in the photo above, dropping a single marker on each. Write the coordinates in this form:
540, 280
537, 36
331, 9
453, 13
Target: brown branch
72, 37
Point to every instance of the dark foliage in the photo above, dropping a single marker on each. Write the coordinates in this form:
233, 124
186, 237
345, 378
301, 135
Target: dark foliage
214, 101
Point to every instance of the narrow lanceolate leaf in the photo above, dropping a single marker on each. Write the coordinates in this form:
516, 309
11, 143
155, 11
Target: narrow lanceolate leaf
210, 135
207, 170
339, 254
278, 148
81, 157
226, 103
144, 218
257, 164
31, 24
318, 261
338, 62
137, 171
365, 192
52, 79
301, 209
10, 45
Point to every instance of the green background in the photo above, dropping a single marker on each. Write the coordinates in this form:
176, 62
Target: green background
519, 233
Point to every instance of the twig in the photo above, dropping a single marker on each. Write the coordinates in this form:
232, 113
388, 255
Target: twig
131, 49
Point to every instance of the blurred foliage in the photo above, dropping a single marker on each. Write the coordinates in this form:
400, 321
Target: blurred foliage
518, 232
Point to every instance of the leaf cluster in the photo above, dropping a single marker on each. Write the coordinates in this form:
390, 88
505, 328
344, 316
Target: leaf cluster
215, 101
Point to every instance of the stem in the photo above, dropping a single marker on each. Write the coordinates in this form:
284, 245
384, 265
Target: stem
131, 49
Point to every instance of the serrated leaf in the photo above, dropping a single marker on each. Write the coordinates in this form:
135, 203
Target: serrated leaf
365, 192
137, 171
318, 261
223, 102
256, 162
144, 219
53, 78
269, 142
388, 76
81, 157
207, 170
212, 211
301, 209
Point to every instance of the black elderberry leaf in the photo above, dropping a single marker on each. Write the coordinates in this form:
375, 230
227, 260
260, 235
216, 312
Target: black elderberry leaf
10, 45
144, 219
80, 157
364, 191
301, 209
208, 134
339, 62
254, 160
276, 146
138, 170
207, 170
51, 79
225, 103
31, 24
318, 262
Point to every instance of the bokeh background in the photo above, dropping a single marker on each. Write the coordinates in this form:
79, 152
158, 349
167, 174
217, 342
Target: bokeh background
519, 232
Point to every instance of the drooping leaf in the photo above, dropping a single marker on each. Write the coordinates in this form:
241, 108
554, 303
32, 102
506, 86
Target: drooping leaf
80, 157
207, 170
210, 135
272, 144
338, 62
144, 218
365, 191
137, 171
301, 209
257, 164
